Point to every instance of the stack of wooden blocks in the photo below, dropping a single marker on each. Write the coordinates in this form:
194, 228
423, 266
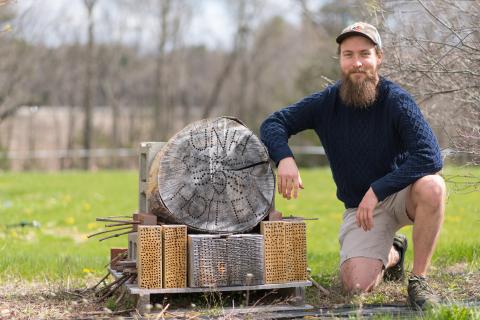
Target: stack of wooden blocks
162, 256
167, 256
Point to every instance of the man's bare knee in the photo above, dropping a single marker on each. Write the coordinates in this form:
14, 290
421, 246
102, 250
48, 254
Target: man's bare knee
360, 274
429, 190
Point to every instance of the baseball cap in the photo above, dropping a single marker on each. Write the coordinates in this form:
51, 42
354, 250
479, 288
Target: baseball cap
361, 29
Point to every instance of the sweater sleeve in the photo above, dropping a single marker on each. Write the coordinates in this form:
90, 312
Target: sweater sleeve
423, 157
281, 125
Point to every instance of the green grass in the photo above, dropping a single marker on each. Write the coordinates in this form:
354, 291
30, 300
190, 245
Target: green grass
66, 204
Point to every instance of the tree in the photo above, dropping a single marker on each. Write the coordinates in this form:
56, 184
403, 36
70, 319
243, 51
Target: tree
87, 88
434, 51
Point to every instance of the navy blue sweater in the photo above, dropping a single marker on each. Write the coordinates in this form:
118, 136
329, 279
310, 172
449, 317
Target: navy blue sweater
386, 146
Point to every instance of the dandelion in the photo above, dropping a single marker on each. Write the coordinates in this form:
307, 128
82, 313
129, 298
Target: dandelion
86, 270
92, 225
87, 206
70, 220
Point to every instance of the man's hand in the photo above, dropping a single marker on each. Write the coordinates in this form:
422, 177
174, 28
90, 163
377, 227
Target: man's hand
365, 210
288, 178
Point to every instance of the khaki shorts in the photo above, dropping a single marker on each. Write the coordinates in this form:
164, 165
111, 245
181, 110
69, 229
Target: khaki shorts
389, 216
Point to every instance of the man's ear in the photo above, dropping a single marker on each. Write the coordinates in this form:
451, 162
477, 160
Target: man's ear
380, 57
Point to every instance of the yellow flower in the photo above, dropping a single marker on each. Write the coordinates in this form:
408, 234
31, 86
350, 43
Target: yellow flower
70, 220
87, 206
92, 225
86, 270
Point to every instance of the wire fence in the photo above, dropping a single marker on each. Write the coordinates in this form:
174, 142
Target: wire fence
127, 158
106, 153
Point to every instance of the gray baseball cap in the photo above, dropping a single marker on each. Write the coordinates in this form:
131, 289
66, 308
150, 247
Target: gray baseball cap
361, 29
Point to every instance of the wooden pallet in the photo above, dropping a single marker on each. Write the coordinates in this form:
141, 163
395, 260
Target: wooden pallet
295, 289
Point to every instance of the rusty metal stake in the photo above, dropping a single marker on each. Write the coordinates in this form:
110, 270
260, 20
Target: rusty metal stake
117, 235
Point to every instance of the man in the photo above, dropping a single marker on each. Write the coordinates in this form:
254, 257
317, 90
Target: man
384, 158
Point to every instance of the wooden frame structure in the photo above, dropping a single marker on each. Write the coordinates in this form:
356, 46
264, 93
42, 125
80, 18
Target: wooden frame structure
293, 290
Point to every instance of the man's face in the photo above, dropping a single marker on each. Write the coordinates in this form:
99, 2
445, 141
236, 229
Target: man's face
359, 64
358, 58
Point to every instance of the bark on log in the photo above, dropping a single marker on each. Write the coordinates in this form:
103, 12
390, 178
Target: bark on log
213, 176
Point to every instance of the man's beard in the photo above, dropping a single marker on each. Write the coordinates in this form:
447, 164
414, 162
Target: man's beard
361, 93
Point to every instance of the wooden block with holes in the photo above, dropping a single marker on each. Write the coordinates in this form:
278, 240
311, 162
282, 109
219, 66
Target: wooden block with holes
149, 257
174, 256
274, 251
296, 248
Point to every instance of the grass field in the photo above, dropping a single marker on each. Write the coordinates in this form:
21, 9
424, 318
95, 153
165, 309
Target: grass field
66, 204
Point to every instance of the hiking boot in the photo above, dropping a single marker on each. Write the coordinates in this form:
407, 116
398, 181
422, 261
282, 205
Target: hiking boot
397, 272
420, 295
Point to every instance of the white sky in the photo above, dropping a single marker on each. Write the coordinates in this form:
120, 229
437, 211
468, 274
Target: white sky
211, 24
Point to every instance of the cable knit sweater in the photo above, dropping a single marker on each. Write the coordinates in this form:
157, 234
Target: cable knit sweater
386, 146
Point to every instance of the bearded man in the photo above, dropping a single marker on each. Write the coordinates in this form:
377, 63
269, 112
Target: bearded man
384, 159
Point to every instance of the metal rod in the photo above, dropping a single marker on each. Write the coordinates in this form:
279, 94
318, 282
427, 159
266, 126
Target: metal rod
115, 288
116, 235
115, 220
98, 283
111, 284
118, 217
119, 257
318, 286
120, 224
106, 231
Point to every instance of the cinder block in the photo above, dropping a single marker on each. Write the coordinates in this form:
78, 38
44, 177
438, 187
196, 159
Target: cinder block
132, 246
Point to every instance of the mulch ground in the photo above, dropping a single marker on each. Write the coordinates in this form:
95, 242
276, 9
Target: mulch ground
43, 300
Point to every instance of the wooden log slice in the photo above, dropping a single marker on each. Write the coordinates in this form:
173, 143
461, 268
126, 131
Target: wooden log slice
213, 176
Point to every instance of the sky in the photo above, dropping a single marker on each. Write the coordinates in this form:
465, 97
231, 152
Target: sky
211, 23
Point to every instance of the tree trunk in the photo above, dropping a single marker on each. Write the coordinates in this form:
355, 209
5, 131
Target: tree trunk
87, 97
213, 176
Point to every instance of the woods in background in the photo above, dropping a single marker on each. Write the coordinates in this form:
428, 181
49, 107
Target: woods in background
113, 83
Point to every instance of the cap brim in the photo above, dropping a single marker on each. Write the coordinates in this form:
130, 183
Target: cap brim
345, 35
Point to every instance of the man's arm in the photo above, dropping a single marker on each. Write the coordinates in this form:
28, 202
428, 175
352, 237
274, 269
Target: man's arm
275, 132
424, 155
424, 158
